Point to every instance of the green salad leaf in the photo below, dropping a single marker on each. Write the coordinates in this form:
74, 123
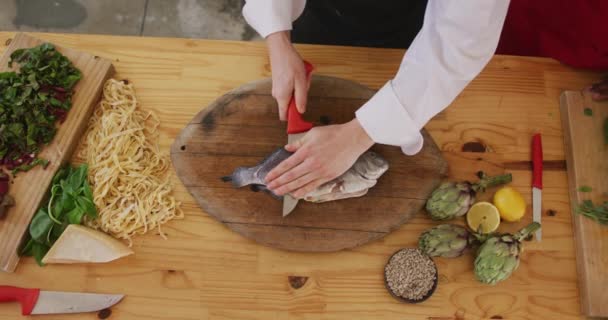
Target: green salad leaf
599, 212
70, 199
32, 100
585, 189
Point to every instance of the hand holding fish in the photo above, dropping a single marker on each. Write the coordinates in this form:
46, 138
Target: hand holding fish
323, 154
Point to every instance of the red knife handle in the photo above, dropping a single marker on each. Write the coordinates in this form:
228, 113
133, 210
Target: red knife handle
26, 297
295, 123
537, 161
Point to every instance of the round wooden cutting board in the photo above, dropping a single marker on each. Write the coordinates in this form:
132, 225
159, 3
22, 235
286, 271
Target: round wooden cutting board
241, 128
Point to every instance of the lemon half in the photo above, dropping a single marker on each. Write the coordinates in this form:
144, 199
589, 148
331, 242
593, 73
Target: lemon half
483, 217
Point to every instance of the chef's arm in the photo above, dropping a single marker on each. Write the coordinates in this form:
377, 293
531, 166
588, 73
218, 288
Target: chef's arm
457, 40
273, 20
270, 16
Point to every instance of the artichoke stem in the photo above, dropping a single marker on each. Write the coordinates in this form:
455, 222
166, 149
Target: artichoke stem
525, 232
488, 182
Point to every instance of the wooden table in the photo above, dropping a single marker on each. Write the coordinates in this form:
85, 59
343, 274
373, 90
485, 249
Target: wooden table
205, 271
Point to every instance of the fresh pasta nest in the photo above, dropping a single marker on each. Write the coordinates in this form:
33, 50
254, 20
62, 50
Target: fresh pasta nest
127, 172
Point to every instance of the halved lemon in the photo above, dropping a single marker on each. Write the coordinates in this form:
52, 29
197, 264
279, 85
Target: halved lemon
483, 217
510, 204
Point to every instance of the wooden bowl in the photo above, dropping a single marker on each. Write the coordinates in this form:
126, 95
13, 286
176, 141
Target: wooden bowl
402, 299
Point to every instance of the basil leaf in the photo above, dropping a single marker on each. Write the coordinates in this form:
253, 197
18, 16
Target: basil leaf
87, 206
67, 202
78, 177
67, 187
75, 215
40, 225
39, 250
87, 191
60, 175
58, 230
26, 250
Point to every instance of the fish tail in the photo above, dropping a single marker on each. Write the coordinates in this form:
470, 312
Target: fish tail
242, 177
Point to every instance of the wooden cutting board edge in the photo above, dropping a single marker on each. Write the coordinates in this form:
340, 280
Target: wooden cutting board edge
37, 181
588, 284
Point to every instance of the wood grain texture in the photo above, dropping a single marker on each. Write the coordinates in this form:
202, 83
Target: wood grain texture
29, 189
204, 270
241, 128
587, 158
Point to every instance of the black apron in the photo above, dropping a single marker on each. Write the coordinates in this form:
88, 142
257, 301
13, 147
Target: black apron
363, 23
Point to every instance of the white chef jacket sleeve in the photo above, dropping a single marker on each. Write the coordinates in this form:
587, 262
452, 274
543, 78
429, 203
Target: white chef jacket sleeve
457, 40
270, 16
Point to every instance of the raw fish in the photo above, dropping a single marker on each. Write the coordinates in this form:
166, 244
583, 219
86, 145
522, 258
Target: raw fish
353, 183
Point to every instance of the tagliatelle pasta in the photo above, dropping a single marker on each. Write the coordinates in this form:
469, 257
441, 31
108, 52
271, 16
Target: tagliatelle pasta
127, 173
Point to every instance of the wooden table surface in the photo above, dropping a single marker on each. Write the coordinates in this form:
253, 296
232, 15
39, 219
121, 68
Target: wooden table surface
205, 271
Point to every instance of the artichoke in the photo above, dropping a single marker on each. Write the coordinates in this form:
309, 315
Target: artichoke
498, 256
453, 199
445, 240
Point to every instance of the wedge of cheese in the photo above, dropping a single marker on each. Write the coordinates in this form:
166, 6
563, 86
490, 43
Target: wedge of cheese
79, 244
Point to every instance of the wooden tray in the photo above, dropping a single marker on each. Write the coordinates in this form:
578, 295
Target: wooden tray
29, 188
587, 160
242, 127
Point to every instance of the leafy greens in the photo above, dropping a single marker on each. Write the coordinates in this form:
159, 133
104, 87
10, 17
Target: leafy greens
31, 101
69, 201
598, 213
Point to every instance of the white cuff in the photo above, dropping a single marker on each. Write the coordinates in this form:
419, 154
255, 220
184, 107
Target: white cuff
270, 16
386, 121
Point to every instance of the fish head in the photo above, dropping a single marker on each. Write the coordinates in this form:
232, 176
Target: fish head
371, 165
376, 160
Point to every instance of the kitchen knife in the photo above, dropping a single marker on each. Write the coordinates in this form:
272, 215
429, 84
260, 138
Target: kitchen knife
537, 180
296, 129
36, 301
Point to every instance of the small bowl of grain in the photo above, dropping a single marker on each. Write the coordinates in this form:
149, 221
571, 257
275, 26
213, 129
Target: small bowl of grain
410, 275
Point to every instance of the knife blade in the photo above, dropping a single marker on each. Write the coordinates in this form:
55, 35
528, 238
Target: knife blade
537, 181
296, 129
36, 301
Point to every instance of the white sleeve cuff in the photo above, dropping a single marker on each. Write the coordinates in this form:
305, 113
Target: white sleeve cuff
386, 121
270, 16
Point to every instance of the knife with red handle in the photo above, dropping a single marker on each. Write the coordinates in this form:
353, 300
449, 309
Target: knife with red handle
537, 180
295, 122
36, 301
296, 129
